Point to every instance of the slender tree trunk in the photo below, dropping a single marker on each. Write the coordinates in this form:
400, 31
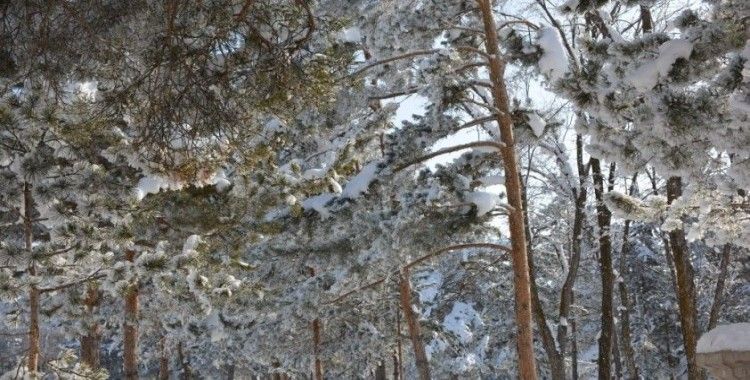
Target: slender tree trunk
525, 338
90, 342
627, 345
32, 363
685, 285
400, 351
566, 293
130, 327
713, 318
316, 350
616, 353
380, 371
396, 365
163, 360
574, 348
555, 359
605, 261
412, 324
316, 331
187, 374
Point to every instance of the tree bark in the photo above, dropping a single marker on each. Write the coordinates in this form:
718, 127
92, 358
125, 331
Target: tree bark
90, 342
685, 285
524, 339
420, 356
605, 260
130, 327
718, 302
32, 363
163, 360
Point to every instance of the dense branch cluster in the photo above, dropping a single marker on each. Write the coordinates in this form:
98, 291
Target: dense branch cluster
371, 188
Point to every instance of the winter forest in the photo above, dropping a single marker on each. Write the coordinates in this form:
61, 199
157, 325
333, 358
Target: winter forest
373, 189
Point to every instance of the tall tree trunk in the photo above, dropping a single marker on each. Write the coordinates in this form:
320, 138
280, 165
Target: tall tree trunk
316, 350
555, 359
130, 327
574, 349
627, 345
380, 371
605, 261
566, 293
626, 341
398, 367
32, 363
412, 324
90, 342
186, 374
524, 339
713, 317
316, 330
163, 360
685, 284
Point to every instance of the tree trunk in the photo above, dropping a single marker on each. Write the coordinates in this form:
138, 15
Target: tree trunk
574, 348
555, 359
524, 339
90, 342
605, 261
32, 363
130, 327
626, 341
186, 374
163, 360
685, 285
316, 329
420, 356
396, 365
713, 318
566, 293
627, 345
380, 371
316, 349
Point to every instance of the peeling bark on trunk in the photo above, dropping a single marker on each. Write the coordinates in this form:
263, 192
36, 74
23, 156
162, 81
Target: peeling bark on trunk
605, 260
524, 339
420, 356
32, 362
130, 328
90, 342
713, 318
685, 285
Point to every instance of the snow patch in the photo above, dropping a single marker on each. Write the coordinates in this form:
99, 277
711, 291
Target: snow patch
536, 123
461, 320
318, 203
484, 201
554, 61
359, 184
733, 337
647, 76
